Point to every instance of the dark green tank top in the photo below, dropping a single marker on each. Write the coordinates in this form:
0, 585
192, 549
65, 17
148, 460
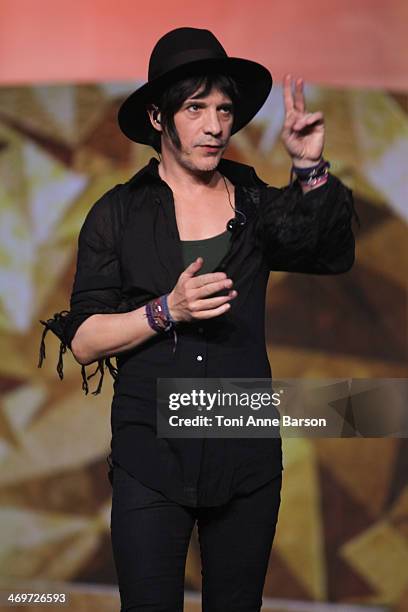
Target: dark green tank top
212, 250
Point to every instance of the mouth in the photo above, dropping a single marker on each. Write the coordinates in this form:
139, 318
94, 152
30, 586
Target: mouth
211, 148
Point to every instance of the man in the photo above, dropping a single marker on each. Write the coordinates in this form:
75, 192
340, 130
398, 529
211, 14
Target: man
171, 277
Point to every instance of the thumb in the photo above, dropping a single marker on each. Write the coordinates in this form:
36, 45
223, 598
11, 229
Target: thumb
194, 266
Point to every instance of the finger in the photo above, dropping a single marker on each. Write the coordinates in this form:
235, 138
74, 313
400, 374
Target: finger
215, 302
287, 92
205, 279
209, 314
193, 267
291, 118
308, 119
210, 288
316, 117
299, 96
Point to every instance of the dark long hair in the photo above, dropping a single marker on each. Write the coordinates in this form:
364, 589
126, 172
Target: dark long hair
172, 99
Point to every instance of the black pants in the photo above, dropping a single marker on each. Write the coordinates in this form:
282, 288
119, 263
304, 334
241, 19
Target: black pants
150, 538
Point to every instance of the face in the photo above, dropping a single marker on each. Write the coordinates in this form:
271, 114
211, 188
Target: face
204, 127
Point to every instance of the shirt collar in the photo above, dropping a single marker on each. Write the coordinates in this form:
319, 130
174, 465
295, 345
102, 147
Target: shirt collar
236, 172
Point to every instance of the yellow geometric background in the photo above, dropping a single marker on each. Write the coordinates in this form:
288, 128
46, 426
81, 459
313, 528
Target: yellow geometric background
342, 533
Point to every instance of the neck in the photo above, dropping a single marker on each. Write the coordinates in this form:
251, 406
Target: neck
180, 178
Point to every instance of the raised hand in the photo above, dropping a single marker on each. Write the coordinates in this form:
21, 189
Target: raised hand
302, 132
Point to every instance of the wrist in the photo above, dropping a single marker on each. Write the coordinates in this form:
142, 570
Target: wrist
171, 308
298, 162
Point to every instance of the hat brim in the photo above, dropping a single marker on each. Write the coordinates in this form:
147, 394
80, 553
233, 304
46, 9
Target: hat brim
254, 82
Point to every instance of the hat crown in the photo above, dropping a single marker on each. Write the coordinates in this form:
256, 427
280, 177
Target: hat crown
182, 46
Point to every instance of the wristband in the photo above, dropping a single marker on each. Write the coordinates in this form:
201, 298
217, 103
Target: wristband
159, 318
313, 175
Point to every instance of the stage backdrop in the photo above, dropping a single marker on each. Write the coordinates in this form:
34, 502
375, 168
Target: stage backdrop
359, 43
342, 534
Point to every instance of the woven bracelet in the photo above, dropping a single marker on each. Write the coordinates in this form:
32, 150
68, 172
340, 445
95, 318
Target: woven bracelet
306, 176
159, 317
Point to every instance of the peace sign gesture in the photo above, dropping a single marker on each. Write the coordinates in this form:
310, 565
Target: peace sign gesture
302, 132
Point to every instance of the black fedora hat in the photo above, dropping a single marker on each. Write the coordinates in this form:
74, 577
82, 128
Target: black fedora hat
188, 52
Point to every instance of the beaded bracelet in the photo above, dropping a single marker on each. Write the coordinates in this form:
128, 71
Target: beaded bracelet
316, 182
159, 317
312, 176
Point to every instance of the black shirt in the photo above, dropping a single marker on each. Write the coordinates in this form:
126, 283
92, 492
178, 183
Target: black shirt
129, 252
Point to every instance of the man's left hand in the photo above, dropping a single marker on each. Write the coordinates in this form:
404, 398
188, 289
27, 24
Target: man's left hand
302, 132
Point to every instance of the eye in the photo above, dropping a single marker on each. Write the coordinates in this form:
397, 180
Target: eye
193, 107
226, 110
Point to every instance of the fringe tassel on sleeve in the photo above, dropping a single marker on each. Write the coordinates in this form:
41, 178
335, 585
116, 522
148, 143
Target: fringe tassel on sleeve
56, 325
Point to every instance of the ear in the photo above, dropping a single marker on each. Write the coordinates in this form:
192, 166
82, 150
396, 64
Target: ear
155, 117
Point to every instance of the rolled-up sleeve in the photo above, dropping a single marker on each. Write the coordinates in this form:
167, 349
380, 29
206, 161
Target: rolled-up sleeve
310, 233
97, 283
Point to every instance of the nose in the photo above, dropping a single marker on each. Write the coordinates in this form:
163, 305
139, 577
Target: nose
212, 123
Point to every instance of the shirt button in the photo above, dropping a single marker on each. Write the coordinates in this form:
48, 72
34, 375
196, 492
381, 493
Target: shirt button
199, 357
200, 330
